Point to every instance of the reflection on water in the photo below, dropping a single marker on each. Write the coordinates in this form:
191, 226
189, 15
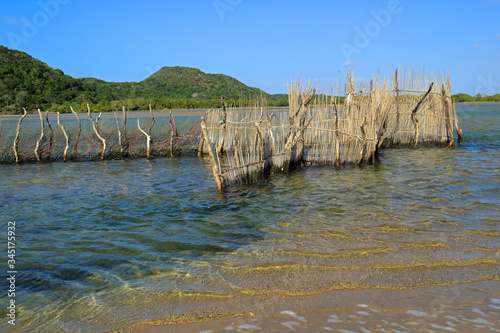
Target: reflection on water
129, 244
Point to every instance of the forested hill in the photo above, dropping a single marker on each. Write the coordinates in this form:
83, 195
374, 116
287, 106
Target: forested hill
30, 83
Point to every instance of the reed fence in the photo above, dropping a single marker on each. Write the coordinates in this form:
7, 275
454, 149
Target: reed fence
317, 130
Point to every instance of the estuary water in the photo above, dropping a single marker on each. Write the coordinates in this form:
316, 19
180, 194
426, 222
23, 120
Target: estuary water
410, 244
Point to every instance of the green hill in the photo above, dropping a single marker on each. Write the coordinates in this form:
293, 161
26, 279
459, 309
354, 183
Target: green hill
30, 83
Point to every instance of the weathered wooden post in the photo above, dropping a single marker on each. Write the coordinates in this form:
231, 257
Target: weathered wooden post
77, 137
51, 137
37, 146
219, 179
449, 126
148, 138
220, 148
126, 142
173, 133
94, 126
119, 135
396, 89
414, 115
65, 154
460, 133
16, 139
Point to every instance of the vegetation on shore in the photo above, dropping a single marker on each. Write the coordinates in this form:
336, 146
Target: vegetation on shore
465, 98
26, 82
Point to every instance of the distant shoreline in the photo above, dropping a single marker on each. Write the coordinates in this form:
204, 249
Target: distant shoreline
485, 102
158, 113
111, 114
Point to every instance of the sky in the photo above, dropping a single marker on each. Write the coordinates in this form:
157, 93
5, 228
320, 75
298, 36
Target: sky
262, 43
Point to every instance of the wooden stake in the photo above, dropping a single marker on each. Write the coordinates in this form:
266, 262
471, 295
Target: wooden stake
173, 133
94, 126
152, 121
37, 147
449, 126
414, 114
16, 139
119, 135
125, 139
77, 138
201, 143
148, 138
396, 88
220, 148
219, 179
460, 133
65, 154
51, 137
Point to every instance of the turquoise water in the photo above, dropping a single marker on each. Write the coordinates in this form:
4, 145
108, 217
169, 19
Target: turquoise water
129, 245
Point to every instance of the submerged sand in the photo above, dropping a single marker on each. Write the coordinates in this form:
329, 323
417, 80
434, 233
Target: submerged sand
467, 307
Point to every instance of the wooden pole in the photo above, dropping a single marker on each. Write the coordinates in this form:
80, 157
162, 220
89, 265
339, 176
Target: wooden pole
218, 177
77, 138
119, 135
449, 126
125, 138
460, 133
16, 139
201, 143
148, 138
396, 88
363, 135
336, 133
65, 154
414, 115
51, 137
152, 120
37, 147
220, 148
94, 126
172, 131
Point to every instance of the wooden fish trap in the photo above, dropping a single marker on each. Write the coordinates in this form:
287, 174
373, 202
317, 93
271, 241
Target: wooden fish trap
375, 114
94, 138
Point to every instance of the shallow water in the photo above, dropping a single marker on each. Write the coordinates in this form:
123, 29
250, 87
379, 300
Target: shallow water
411, 241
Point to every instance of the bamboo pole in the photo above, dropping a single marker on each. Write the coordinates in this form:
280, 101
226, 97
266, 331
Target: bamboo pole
37, 147
94, 126
77, 138
65, 154
219, 179
173, 129
16, 139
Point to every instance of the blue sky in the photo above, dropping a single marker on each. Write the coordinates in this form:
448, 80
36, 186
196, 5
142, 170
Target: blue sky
262, 43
